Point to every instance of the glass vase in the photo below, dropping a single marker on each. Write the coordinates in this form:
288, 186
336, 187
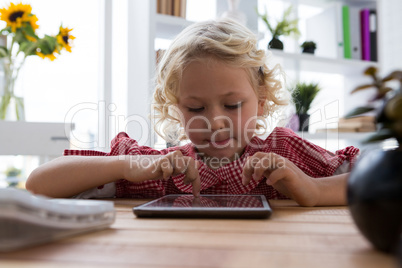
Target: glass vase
11, 106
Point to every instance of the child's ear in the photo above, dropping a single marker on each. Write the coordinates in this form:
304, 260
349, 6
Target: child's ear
261, 101
260, 110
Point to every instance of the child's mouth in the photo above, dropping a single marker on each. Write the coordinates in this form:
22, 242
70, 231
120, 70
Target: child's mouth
220, 142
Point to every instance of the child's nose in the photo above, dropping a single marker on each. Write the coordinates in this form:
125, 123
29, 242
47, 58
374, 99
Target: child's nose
219, 122
216, 118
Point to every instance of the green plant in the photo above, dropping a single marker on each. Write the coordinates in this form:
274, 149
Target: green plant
303, 95
12, 172
309, 44
389, 116
286, 26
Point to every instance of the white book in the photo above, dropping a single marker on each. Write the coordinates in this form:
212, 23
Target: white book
355, 32
326, 30
27, 219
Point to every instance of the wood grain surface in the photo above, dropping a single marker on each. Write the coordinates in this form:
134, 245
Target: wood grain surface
293, 237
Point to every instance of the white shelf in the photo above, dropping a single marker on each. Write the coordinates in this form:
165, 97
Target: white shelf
324, 3
350, 139
167, 27
358, 136
312, 63
34, 138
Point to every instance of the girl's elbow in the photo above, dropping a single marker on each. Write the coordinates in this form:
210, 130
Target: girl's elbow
32, 182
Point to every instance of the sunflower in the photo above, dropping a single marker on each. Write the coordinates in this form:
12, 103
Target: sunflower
17, 15
50, 56
64, 38
30, 38
47, 47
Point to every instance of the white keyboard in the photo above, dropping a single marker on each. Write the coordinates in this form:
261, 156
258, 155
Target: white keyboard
27, 219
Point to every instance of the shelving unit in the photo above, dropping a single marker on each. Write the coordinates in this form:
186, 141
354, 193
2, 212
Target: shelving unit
329, 61
144, 22
167, 27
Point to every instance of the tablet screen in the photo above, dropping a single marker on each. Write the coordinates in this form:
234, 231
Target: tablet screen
217, 206
212, 201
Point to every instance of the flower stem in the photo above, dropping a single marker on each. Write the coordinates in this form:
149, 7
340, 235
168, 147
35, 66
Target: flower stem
11, 70
5, 101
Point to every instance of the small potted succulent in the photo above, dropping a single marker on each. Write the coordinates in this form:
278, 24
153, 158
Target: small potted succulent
303, 95
286, 26
12, 176
375, 183
308, 47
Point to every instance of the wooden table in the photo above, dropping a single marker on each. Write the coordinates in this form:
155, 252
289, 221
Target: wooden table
293, 237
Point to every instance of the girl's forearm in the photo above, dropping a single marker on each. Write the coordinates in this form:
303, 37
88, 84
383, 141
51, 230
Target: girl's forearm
332, 190
69, 175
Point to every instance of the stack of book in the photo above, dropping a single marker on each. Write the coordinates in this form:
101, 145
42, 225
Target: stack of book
159, 55
172, 7
355, 31
360, 33
357, 124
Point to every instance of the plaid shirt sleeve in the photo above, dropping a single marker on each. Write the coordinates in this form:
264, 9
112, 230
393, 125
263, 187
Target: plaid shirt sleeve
312, 159
122, 144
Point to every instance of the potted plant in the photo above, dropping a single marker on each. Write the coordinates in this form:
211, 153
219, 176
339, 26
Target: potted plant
303, 95
12, 174
308, 47
286, 26
375, 183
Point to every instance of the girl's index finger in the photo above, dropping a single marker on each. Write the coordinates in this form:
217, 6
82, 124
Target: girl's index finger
248, 171
197, 182
197, 186
192, 176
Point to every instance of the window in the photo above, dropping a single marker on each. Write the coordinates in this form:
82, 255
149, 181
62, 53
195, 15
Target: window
54, 91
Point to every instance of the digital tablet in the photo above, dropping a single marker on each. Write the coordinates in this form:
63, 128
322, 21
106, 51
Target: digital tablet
206, 206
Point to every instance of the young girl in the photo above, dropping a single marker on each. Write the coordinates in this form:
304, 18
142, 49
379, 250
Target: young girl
213, 88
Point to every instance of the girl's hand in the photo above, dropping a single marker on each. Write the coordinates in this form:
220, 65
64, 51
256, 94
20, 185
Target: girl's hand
139, 169
284, 176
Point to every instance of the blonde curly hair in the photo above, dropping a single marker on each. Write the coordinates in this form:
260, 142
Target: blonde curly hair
224, 40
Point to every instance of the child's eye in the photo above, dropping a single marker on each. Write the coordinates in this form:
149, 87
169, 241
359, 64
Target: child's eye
233, 106
196, 110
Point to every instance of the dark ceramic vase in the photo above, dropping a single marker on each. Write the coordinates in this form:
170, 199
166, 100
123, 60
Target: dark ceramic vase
304, 121
375, 198
310, 50
275, 43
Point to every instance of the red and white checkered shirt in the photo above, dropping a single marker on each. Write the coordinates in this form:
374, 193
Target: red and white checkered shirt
310, 158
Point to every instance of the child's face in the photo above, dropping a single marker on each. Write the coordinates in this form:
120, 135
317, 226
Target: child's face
219, 108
